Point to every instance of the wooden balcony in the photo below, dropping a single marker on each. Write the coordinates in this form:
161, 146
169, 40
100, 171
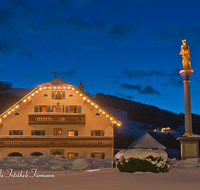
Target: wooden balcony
56, 119
56, 142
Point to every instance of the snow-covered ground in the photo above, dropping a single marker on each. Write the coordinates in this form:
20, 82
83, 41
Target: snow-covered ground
93, 174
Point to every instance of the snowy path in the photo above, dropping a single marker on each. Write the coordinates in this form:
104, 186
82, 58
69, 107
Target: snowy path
108, 178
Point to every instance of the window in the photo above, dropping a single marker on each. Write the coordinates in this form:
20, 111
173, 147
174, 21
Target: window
42, 108
72, 133
15, 132
71, 95
73, 109
99, 155
45, 95
57, 131
97, 114
97, 133
72, 154
38, 132
58, 95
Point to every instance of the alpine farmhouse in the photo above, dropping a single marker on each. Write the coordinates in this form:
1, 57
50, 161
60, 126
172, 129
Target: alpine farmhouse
60, 119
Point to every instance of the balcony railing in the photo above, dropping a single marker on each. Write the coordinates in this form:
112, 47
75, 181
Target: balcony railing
56, 119
56, 142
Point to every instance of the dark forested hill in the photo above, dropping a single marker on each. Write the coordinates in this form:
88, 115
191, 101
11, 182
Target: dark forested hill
147, 113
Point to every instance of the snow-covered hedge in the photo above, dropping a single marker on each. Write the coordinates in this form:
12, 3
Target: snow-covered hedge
149, 164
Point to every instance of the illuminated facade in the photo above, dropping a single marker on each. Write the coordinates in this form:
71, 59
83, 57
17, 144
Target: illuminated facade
58, 118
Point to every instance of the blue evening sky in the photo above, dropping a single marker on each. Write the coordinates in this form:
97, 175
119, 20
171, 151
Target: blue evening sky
126, 48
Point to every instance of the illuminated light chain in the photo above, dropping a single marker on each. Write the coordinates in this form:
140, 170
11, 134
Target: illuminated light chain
76, 91
88, 100
106, 115
9, 112
103, 112
40, 89
95, 106
29, 97
92, 103
72, 88
49, 87
84, 98
64, 87
100, 110
45, 87
69, 87
13, 109
4, 115
32, 94
81, 94
111, 118
36, 92
59, 87
24, 100
17, 106
118, 124
54, 87
114, 121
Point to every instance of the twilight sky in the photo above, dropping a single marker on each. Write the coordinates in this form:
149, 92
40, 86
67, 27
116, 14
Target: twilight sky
126, 48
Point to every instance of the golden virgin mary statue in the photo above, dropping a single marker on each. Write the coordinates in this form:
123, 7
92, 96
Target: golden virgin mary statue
185, 52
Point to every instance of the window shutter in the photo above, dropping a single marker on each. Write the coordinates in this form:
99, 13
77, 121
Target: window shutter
79, 109
63, 94
10, 132
102, 155
48, 108
32, 132
43, 132
66, 109
21, 132
53, 95
76, 132
102, 132
92, 132
36, 108
76, 154
92, 155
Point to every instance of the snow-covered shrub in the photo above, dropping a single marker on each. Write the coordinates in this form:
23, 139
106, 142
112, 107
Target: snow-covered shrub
148, 164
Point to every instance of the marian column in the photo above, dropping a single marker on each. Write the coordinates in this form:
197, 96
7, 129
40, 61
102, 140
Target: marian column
186, 72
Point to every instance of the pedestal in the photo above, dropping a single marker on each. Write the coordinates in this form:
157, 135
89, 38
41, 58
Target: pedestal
189, 147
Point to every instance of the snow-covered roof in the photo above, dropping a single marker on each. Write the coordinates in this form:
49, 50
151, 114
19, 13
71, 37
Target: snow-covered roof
55, 82
146, 141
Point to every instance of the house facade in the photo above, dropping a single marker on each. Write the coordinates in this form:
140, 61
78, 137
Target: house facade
60, 119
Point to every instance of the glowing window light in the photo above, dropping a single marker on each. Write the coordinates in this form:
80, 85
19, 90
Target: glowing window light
88, 100
24, 100
92, 103
32, 94
17, 106
111, 118
72, 88
81, 94
106, 115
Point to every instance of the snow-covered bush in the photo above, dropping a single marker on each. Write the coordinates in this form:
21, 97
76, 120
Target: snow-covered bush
148, 164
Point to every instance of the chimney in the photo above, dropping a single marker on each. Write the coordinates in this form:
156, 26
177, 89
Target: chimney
81, 87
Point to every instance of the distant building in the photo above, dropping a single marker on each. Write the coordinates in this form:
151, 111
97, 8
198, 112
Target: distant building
57, 118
